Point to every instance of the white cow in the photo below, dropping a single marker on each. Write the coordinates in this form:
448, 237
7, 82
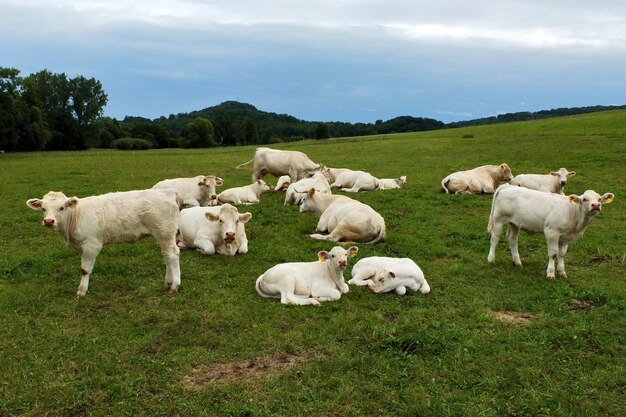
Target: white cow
484, 179
383, 274
343, 218
284, 181
211, 230
308, 283
87, 224
276, 162
391, 183
551, 183
195, 191
349, 180
297, 190
248, 194
562, 219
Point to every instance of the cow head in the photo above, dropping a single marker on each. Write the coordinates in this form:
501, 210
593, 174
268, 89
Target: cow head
401, 181
307, 205
591, 202
262, 186
506, 173
210, 183
338, 256
385, 280
55, 206
562, 175
229, 220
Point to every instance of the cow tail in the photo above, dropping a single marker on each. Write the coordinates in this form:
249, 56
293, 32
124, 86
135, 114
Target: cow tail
245, 163
259, 288
444, 186
493, 205
381, 234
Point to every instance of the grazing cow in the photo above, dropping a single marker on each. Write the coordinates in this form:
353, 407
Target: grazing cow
551, 183
213, 230
391, 183
87, 224
307, 283
343, 218
562, 219
284, 181
248, 194
196, 191
484, 179
350, 181
276, 162
297, 190
383, 274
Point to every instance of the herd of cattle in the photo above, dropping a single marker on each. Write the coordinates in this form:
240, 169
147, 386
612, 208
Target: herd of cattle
210, 222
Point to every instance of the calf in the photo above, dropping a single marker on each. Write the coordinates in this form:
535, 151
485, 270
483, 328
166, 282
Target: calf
484, 179
284, 181
350, 181
297, 190
391, 183
307, 283
382, 274
563, 220
343, 218
248, 194
551, 183
213, 230
87, 224
196, 191
276, 162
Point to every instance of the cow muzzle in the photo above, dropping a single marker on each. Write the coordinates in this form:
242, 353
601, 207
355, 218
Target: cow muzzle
229, 237
48, 222
596, 207
563, 183
342, 264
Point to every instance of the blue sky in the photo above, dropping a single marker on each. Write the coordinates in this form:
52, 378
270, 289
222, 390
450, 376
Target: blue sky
341, 60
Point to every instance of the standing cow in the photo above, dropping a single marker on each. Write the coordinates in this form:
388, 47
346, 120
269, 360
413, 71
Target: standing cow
550, 183
87, 224
484, 179
563, 220
196, 191
276, 162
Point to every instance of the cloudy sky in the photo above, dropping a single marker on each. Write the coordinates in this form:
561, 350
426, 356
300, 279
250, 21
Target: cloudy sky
339, 60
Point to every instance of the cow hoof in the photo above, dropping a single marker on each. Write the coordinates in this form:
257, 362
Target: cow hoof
551, 277
78, 295
173, 291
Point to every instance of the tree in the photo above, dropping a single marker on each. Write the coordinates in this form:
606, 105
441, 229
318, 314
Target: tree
155, 133
87, 100
321, 131
198, 134
244, 131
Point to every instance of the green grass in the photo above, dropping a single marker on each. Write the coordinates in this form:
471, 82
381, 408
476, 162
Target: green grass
126, 348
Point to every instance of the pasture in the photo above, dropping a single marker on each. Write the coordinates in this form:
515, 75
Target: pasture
489, 340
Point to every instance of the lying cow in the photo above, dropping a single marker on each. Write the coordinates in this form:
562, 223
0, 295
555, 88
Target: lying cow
350, 181
383, 274
343, 218
551, 183
213, 230
284, 181
562, 219
484, 179
276, 162
87, 224
196, 191
391, 183
307, 283
297, 190
248, 194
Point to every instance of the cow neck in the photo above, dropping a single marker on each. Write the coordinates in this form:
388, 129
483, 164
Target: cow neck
581, 218
335, 273
69, 227
323, 201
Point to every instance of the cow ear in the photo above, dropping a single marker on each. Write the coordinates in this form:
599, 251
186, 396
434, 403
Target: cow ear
554, 173
311, 192
323, 255
244, 217
391, 274
71, 202
211, 217
34, 203
352, 251
574, 199
503, 167
571, 173
607, 198
219, 181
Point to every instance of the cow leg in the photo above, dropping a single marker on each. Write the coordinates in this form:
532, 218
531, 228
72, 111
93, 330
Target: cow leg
552, 240
88, 259
326, 294
288, 297
496, 232
512, 235
171, 255
561, 260
204, 245
360, 280
243, 248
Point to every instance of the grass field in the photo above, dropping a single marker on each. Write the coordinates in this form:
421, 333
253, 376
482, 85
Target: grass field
489, 340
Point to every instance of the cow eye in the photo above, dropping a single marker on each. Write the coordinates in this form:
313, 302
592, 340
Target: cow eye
585, 199
61, 208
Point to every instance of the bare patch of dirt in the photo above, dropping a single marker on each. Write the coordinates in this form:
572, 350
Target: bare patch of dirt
256, 368
579, 305
515, 318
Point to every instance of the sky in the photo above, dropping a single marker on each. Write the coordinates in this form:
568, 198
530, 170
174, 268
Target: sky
340, 60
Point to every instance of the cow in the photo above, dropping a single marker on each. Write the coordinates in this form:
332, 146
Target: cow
308, 283
248, 194
484, 179
276, 162
350, 181
562, 219
384, 274
211, 230
391, 183
343, 218
297, 190
195, 191
550, 183
89, 223
284, 181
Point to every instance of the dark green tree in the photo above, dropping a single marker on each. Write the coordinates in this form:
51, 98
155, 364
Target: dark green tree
87, 101
321, 131
198, 134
